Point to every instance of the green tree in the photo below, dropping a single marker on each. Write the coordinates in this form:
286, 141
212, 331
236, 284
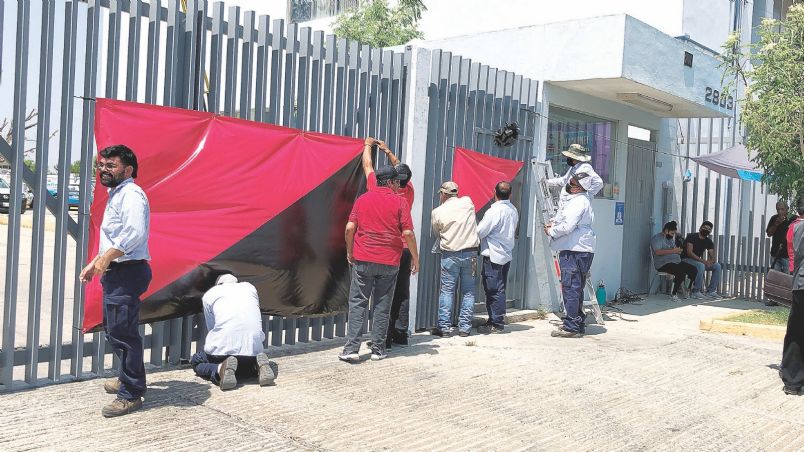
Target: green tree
773, 103
75, 168
30, 164
378, 25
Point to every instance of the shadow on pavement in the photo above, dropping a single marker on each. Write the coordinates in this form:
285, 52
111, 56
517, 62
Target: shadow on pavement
176, 393
660, 303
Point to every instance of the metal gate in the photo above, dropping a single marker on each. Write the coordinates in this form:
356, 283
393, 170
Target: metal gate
468, 101
206, 58
639, 223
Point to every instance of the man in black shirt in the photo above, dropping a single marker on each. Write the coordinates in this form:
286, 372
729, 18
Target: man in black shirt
695, 246
777, 228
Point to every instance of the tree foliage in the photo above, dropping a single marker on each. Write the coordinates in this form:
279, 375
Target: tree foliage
379, 25
773, 103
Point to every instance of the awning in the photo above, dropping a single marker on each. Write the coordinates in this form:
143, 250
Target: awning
733, 162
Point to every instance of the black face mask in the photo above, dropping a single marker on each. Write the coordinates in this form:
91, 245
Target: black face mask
705, 233
570, 162
669, 236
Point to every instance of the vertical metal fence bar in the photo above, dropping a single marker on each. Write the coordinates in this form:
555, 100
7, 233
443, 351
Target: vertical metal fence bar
330, 54
316, 70
133, 66
42, 149
216, 58
60, 248
261, 71
375, 65
277, 47
340, 86
361, 126
351, 88
289, 90
230, 90
395, 103
303, 79
385, 76
247, 57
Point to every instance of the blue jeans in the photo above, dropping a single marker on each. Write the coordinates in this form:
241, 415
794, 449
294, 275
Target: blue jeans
714, 281
457, 268
781, 264
206, 366
494, 278
122, 286
574, 266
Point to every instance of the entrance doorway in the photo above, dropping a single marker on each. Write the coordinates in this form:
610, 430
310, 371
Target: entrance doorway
638, 221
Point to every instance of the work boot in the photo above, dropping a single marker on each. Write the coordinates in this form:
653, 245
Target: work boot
441, 333
267, 375
121, 407
561, 332
112, 385
226, 373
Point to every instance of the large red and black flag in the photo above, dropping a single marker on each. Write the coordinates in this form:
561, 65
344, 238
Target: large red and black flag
267, 203
477, 174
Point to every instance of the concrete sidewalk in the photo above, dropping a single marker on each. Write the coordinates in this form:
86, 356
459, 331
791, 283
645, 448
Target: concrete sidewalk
647, 381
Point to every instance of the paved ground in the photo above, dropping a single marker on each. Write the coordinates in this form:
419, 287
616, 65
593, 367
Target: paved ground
648, 381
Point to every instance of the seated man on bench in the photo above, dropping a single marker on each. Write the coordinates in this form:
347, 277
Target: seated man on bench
667, 259
695, 246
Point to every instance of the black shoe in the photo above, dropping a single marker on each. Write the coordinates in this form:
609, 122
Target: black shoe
489, 328
789, 390
388, 342
399, 337
441, 333
771, 303
463, 333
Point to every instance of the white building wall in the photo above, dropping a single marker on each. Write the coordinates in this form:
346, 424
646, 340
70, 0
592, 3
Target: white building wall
606, 265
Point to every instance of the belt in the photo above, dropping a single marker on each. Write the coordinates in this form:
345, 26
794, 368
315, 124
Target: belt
131, 262
474, 248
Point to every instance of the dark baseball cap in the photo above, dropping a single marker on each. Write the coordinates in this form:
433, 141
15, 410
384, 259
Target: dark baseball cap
386, 172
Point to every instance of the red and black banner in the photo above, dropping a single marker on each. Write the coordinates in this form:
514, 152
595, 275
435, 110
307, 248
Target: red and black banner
477, 174
264, 202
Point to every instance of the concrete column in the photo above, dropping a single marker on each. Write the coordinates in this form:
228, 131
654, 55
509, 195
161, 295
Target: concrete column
414, 150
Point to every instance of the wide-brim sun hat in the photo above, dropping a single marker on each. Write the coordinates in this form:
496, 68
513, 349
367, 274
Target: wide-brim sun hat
577, 152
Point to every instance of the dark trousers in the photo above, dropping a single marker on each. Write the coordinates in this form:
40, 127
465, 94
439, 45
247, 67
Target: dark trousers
574, 266
680, 270
206, 366
369, 278
401, 303
494, 278
793, 351
122, 286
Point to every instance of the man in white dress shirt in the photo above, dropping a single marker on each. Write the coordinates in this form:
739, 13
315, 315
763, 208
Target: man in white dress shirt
497, 232
233, 347
122, 265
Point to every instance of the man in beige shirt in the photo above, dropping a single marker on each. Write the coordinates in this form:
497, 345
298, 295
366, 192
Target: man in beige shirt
456, 225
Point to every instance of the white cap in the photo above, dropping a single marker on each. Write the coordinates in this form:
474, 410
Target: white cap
225, 279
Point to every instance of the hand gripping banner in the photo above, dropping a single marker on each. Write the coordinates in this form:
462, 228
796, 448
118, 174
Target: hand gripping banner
264, 202
477, 174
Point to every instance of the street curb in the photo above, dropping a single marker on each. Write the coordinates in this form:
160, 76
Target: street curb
772, 332
26, 223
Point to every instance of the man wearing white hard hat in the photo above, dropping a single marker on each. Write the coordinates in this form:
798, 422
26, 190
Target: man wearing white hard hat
233, 347
578, 159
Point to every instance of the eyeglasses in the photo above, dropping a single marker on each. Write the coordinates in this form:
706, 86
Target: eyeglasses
108, 166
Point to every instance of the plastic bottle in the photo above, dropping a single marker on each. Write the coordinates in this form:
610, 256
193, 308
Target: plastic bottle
600, 293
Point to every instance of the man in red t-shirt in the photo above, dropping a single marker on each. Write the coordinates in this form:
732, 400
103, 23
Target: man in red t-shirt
373, 248
398, 322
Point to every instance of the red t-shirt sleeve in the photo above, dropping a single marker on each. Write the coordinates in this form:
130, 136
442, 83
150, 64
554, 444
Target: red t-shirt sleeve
355, 211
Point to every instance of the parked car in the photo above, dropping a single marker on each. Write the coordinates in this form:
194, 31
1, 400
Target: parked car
5, 197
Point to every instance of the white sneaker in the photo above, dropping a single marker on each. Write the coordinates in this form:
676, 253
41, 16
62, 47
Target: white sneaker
699, 296
349, 357
674, 298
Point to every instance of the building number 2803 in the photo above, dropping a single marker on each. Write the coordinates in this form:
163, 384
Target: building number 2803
719, 98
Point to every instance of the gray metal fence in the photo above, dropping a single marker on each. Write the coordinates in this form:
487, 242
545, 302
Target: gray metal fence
468, 102
740, 210
205, 58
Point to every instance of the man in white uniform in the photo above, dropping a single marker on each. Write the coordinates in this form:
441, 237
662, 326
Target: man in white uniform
233, 347
578, 159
